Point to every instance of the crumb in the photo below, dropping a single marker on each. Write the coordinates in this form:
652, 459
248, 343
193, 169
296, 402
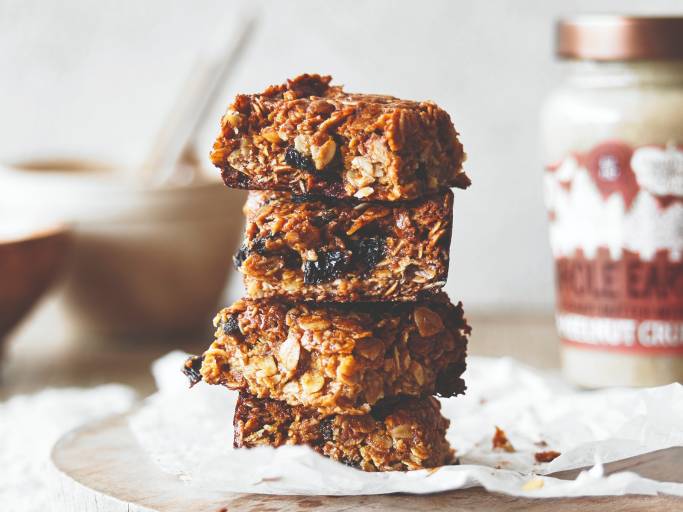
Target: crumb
191, 369
533, 485
500, 441
546, 456
541, 444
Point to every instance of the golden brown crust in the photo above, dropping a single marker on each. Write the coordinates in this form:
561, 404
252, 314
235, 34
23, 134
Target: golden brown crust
336, 251
339, 358
404, 435
307, 136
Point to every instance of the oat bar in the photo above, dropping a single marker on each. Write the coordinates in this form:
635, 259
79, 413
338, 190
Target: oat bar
326, 250
307, 136
340, 358
404, 435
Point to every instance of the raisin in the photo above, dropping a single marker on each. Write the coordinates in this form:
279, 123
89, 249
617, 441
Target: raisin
298, 160
292, 260
349, 462
324, 218
326, 430
243, 180
191, 369
259, 245
368, 252
328, 267
240, 256
231, 325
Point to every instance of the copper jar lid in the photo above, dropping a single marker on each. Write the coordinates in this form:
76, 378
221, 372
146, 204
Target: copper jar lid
606, 37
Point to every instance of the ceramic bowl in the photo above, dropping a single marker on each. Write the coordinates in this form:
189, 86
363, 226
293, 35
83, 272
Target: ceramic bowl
30, 261
146, 262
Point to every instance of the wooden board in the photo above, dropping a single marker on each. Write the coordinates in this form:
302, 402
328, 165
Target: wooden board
101, 468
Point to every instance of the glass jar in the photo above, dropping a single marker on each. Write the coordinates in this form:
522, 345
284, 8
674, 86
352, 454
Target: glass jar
613, 141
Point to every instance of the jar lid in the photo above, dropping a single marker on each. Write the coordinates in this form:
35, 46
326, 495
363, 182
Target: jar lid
607, 37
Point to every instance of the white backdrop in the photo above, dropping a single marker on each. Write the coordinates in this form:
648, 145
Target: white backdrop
94, 78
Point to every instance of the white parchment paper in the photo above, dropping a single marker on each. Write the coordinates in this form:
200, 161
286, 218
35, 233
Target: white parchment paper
29, 427
188, 432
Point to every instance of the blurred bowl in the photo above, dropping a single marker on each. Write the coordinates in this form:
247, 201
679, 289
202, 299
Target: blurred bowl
30, 260
146, 261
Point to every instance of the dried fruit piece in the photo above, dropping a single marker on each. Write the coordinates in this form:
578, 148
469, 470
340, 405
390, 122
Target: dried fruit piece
231, 326
297, 159
191, 369
292, 259
258, 245
327, 267
240, 256
368, 252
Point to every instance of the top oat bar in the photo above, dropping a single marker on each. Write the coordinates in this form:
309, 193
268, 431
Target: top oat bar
307, 136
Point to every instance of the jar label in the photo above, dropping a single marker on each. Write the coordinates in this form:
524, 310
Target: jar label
616, 231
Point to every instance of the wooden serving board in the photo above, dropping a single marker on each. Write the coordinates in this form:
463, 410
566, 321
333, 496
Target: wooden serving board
100, 467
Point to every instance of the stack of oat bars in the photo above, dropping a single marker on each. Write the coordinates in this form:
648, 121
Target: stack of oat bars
345, 333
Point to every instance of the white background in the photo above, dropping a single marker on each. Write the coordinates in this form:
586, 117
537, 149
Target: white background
94, 78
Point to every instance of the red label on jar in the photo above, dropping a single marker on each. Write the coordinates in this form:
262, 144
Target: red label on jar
626, 303
616, 229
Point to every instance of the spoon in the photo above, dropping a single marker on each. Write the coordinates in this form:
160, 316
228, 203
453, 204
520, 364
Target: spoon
203, 84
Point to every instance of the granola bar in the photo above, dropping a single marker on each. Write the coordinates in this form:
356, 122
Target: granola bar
340, 358
307, 136
405, 435
338, 251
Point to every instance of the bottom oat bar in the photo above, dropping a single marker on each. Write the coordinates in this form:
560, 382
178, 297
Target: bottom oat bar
404, 434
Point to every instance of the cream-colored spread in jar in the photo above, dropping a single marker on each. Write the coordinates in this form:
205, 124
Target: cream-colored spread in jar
613, 138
